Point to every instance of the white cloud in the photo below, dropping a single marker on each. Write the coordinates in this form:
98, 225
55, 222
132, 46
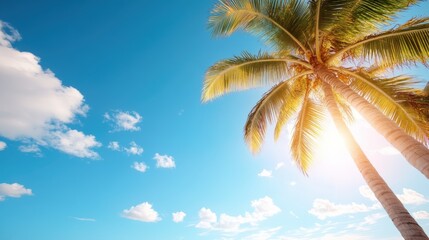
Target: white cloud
141, 167
75, 143
114, 146
32, 148
207, 218
14, 190
178, 216
124, 121
265, 173
262, 209
280, 165
408, 196
368, 220
421, 215
85, 219
292, 183
164, 161
142, 212
323, 208
366, 192
134, 149
3, 145
34, 104
389, 151
412, 197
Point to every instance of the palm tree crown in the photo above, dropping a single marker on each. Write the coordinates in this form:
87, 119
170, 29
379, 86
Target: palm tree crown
310, 40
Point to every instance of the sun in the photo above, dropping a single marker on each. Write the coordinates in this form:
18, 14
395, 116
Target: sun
330, 144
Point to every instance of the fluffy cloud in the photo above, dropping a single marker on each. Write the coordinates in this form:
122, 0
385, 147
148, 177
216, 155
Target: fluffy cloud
141, 167
421, 215
124, 121
408, 196
34, 104
164, 161
323, 208
207, 218
75, 143
178, 217
142, 212
265, 173
114, 146
134, 149
14, 190
366, 192
2, 145
262, 209
32, 148
412, 197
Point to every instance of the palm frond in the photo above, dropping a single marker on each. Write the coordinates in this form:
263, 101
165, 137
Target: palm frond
278, 22
290, 106
265, 111
382, 92
244, 72
406, 44
364, 17
330, 12
344, 107
307, 129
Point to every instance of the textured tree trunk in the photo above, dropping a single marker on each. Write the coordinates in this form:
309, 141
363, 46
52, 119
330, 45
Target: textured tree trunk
402, 219
415, 152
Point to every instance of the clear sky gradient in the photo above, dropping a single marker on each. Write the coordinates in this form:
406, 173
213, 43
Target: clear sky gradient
103, 136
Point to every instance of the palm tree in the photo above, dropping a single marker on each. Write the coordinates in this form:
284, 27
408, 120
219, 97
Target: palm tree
311, 72
326, 37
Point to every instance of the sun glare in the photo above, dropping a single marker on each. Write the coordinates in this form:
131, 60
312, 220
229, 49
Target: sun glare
331, 147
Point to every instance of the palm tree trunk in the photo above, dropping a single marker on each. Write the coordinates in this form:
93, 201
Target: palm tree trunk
415, 152
402, 219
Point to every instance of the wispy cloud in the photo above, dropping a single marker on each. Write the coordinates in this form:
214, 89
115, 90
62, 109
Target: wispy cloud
265, 173
3, 145
323, 208
279, 165
420, 215
124, 121
389, 151
31, 148
29, 115
14, 190
142, 212
84, 219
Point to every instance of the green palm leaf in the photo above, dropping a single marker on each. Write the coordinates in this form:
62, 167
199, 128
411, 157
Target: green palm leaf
381, 92
278, 22
307, 129
291, 104
244, 72
265, 111
408, 43
364, 17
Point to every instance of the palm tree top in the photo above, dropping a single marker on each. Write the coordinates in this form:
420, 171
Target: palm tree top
309, 35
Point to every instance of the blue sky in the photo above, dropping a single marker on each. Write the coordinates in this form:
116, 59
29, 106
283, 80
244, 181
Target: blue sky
103, 136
